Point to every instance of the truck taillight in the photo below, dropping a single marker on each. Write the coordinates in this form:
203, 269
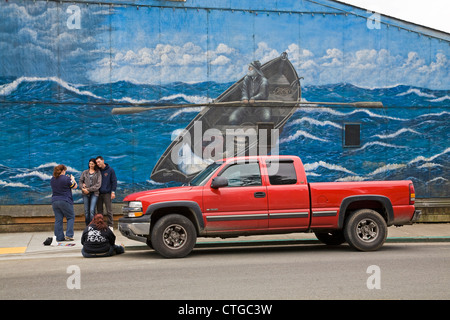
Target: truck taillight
412, 194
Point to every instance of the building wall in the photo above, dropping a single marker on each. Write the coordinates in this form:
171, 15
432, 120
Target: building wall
65, 65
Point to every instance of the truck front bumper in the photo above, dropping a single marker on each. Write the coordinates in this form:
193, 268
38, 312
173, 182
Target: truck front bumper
135, 228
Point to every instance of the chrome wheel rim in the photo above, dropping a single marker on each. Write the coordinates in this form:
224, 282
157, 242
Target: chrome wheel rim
175, 236
367, 230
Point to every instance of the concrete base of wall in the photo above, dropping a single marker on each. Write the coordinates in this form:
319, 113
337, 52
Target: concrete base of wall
30, 218
434, 210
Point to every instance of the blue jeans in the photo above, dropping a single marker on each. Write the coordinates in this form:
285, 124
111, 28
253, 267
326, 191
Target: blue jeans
90, 201
63, 209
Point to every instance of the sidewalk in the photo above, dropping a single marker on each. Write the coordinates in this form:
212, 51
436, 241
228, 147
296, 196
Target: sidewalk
31, 243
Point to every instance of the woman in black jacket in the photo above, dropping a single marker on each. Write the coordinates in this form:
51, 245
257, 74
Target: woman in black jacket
98, 240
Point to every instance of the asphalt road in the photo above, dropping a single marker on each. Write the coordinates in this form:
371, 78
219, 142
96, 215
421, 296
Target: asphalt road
396, 271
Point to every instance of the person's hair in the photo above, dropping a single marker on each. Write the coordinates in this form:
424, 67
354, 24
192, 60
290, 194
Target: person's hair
99, 157
58, 170
99, 223
96, 168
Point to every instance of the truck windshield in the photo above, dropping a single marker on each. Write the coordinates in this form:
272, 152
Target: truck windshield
201, 178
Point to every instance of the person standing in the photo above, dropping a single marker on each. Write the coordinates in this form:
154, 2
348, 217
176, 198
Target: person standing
107, 189
62, 202
90, 182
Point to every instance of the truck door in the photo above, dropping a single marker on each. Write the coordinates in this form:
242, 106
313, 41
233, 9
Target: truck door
239, 206
288, 196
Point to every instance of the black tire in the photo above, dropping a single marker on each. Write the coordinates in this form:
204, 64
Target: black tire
332, 238
365, 230
173, 236
149, 242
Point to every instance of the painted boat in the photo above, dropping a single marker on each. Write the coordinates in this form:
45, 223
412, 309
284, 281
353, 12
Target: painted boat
195, 148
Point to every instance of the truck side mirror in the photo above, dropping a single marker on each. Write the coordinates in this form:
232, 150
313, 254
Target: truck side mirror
219, 182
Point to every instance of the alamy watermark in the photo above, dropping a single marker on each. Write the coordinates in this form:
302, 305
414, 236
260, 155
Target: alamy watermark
204, 147
74, 19
374, 280
74, 280
374, 21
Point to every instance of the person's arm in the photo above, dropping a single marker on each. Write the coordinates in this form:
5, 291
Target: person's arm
72, 183
82, 179
82, 183
245, 90
83, 236
111, 237
113, 184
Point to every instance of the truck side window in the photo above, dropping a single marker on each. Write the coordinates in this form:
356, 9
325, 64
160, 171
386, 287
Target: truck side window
282, 172
242, 175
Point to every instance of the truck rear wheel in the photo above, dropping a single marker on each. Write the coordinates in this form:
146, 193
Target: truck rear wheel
173, 236
365, 230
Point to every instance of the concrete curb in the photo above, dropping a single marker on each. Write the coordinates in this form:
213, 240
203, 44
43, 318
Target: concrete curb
418, 239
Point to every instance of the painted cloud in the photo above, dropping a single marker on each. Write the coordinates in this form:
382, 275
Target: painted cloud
188, 63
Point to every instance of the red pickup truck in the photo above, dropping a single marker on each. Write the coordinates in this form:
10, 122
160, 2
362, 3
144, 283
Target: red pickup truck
266, 194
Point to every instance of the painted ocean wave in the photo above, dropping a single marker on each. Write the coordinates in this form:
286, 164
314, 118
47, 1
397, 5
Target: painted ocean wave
397, 142
396, 134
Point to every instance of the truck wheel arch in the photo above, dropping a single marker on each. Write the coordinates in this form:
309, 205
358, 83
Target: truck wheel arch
384, 202
190, 209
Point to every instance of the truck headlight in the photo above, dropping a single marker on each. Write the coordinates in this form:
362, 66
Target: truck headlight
133, 209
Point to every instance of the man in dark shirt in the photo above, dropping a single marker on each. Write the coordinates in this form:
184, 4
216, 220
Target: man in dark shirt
255, 87
107, 189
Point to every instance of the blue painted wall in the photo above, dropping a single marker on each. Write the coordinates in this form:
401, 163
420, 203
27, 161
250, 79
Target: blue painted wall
63, 66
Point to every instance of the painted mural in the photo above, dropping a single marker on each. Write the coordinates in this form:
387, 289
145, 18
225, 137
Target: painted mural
65, 66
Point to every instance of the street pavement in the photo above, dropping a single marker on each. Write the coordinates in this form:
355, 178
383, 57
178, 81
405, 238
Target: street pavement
30, 244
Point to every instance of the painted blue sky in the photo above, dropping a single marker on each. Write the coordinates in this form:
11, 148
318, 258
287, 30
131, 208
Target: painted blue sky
193, 46
155, 46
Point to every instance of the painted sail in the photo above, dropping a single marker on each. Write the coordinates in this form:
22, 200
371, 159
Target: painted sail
192, 150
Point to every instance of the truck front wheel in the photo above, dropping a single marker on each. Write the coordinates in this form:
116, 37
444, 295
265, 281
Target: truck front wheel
365, 230
173, 236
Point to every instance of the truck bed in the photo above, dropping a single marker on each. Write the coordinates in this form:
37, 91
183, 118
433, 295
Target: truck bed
329, 198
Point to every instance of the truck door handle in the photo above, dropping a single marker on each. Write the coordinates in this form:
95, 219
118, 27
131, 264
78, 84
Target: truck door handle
260, 194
